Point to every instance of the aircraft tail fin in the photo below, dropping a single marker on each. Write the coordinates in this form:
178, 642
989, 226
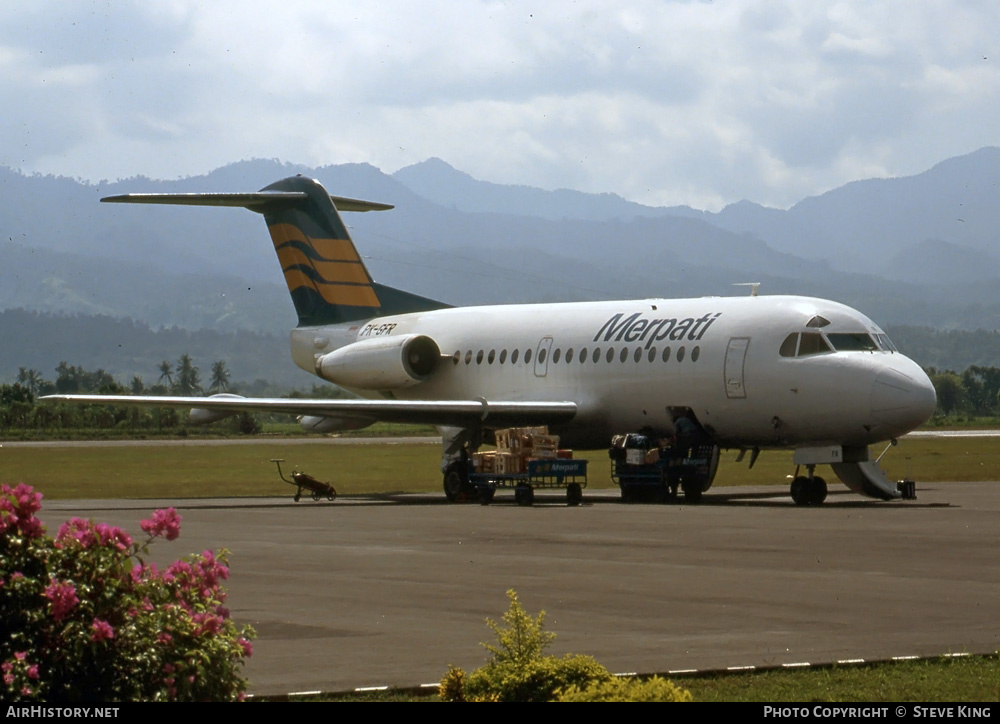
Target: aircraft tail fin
326, 277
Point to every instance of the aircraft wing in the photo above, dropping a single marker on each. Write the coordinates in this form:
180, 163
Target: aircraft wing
457, 413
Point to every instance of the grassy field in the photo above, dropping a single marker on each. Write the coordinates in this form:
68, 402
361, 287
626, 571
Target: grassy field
965, 679
209, 470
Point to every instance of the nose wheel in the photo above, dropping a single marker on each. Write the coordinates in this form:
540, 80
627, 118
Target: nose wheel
808, 490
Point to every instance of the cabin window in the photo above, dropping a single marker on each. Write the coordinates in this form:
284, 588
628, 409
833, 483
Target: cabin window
569, 355
624, 355
468, 357
513, 357
680, 354
812, 343
652, 353
457, 356
479, 357
638, 354
542, 354
666, 354
491, 356
583, 355
611, 354
597, 354
555, 356
503, 356
527, 356
852, 342
695, 354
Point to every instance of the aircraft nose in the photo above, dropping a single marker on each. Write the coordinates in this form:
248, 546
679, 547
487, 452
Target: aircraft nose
902, 399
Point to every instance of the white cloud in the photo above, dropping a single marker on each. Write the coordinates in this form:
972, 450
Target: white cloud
663, 102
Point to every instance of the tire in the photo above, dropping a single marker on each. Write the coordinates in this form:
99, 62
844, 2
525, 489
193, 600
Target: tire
524, 495
456, 487
574, 494
800, 490
817, 491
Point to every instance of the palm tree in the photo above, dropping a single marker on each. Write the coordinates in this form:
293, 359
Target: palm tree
220, 377
30, 378
188, 382
166, 372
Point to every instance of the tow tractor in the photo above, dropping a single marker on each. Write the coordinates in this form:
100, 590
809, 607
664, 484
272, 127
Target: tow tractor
647, 469
302, 481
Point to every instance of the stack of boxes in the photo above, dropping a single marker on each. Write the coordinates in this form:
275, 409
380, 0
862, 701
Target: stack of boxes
515, 446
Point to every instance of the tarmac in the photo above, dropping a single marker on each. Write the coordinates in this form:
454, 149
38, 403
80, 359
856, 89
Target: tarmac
366, 592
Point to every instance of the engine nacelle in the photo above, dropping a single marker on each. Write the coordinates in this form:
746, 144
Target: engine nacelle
382, 363
319, 423
204, 416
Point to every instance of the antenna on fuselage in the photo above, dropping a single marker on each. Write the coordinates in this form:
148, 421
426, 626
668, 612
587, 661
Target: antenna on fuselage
753, 287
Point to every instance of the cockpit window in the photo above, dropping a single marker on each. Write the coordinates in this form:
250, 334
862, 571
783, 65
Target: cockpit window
812, 343
789, 346
803, 345
852, 342
885, 342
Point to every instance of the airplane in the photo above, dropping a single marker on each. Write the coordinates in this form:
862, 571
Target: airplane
753, 372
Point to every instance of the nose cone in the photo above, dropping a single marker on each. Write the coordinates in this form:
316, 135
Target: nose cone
902, 398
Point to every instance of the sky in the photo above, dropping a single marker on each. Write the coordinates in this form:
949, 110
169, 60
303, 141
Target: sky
666, 102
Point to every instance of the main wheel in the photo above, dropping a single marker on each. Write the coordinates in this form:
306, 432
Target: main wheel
524, 495
574, 494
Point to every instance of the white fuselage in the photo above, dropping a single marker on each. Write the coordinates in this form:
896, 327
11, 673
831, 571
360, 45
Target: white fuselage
628, 364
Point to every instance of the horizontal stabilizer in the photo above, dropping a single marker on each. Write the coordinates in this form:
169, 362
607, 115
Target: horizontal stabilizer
259, 201
463, 413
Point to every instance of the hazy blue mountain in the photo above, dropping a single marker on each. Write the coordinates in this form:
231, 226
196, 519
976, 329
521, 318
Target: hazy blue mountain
916, 250
437, 181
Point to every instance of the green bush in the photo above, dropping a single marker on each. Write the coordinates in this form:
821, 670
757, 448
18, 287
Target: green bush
621, 689
85, 618
537, 679
518, 670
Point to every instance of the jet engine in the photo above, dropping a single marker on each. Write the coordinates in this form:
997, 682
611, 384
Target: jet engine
203, 416
320, 423
382, 363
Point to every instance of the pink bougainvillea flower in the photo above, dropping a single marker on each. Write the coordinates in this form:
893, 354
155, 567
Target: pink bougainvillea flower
62, 598
164, 522
101, 631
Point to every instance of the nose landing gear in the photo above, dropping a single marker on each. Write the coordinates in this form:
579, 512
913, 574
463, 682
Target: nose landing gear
808, 489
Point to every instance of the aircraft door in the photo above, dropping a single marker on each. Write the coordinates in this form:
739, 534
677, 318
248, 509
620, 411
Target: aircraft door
736, 354
542, 356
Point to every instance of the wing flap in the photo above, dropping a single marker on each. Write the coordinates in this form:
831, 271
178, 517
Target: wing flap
458, 413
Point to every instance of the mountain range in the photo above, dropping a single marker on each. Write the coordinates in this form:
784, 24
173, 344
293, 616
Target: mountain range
918, 250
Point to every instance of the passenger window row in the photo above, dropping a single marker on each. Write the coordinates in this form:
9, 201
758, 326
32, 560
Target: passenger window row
584, 356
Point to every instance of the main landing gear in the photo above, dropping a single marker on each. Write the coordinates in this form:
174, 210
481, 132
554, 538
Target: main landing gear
808, 489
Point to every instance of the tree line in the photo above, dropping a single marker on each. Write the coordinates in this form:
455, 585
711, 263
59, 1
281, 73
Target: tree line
974, 392
19, 410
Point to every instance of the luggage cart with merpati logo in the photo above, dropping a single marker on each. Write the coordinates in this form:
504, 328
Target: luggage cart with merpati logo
567, 473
